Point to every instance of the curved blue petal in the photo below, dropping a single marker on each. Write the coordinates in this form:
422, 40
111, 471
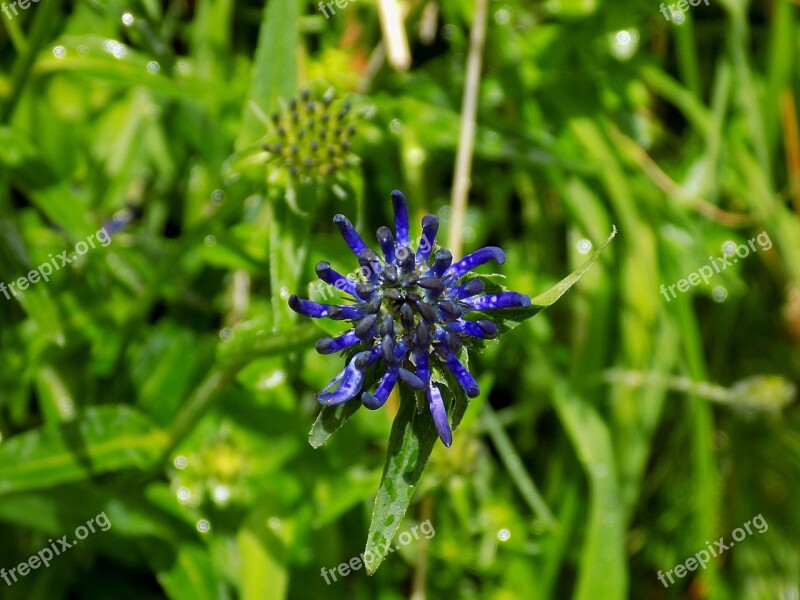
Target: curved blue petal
439, 414
330, 345
430, 227
478, 329
423, 369
471, 288
381, 394
350, 234
332, 277
351, 380
400, 219
308, 308
477, 258
386, 242
502, 300
464, 377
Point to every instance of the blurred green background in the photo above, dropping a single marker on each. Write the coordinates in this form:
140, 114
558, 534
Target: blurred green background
161, 381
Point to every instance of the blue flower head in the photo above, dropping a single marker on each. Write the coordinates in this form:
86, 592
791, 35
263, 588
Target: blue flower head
411, 311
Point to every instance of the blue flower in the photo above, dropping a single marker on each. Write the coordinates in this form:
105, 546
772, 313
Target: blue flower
408, 315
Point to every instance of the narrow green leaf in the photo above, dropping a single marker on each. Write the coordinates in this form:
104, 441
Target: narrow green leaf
410, 445
507, 319
329, 420
264, 552
102, 439
190, 575
271, 78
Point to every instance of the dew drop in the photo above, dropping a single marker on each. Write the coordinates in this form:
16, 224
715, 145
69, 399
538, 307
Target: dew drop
203, 526
502, 16
181, 462
221, 494
210, 240
127, 19
584, 246
503, 535
396, 126
226, 334
729, 248
153, 67
719, 294
59, 52
183, 495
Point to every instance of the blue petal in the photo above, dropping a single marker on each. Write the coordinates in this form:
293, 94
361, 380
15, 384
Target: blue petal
471, 288
411, 380
430, 227
477, 258
481, 329
385, 387
422, 367
400, 219
334, 278
439, 414
495, 301
464, 377
386, 242
308, 308
350, 234
329, 345
351, 379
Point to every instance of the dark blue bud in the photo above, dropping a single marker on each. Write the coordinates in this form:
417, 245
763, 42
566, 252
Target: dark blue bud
451, 309
364, 328
423, 337
410, 279
410, 379
434, 284
387, 350
441, 261
426, 310
405, 258
386, 242
393, 294
407, 316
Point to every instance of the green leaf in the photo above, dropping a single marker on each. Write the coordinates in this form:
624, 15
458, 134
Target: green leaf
410, 445
509, 318
329, 420
264, 552
102, 439
190, 575
271, 78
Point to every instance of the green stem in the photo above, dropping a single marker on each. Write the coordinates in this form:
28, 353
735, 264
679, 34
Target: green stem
513, 464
